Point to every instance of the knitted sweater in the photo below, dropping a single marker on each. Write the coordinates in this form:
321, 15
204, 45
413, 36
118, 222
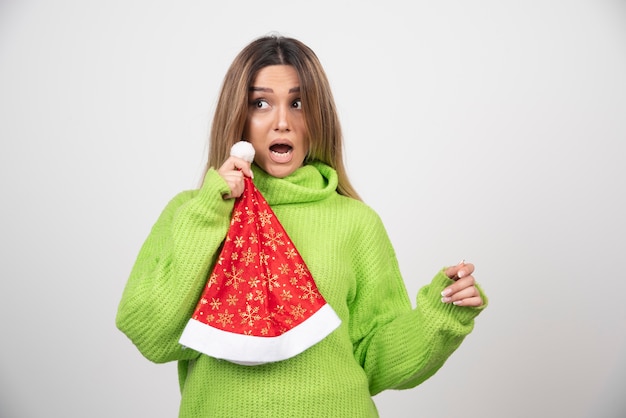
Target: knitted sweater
382, 342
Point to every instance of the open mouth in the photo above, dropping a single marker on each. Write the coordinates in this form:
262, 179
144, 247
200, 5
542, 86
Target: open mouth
281, 148
281, 153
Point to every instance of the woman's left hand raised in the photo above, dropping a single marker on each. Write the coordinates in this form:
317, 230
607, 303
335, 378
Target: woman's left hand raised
463, 291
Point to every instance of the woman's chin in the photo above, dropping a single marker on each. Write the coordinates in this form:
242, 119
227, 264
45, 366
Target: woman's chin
282, 172
279, 170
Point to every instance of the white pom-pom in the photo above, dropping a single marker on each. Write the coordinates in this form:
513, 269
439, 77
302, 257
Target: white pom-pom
243, 150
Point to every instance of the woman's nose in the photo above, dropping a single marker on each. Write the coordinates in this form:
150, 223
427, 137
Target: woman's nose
282, 119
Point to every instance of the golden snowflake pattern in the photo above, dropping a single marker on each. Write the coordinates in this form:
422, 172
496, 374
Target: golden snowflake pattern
259, 277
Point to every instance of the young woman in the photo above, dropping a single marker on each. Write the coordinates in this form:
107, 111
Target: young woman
276, 96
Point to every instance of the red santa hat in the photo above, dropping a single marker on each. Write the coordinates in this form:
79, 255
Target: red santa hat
260, 303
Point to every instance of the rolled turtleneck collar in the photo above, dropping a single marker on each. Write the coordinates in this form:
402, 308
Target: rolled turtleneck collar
310, 183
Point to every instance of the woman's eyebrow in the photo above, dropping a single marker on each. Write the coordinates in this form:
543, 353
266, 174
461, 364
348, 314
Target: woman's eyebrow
269, 90
263, 89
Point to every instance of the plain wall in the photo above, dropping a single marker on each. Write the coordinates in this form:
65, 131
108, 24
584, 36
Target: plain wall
487, 130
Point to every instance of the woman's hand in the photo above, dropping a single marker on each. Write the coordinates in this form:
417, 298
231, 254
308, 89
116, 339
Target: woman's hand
463, 292
232, 171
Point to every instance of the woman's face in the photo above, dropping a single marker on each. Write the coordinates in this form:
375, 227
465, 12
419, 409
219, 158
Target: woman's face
275, 124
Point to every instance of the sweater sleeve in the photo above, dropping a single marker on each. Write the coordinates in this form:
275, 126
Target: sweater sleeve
171, 270
400, 347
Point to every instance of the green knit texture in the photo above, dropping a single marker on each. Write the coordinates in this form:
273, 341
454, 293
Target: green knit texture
382, 343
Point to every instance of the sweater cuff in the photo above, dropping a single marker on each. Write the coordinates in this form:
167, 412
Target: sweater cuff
213, 189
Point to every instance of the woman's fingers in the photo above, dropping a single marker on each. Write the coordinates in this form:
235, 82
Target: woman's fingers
460, 270
235, 182
463, 291
474, 302
236, 164
233, 171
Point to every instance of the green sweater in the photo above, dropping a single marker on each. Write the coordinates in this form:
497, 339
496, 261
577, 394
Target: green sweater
382, 342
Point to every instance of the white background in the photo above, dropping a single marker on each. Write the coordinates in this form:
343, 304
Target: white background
487, 130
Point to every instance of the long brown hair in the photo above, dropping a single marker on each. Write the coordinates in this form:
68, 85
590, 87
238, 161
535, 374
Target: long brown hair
324, 129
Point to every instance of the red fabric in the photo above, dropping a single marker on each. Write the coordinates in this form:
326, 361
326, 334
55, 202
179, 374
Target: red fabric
260, 284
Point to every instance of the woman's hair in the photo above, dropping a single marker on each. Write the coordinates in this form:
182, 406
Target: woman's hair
321, 120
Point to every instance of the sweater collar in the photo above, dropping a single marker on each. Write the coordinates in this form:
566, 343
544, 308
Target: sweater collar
310, 183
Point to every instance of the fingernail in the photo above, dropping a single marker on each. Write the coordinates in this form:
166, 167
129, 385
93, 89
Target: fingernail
446, 292
445, 300
457, 302
460, 273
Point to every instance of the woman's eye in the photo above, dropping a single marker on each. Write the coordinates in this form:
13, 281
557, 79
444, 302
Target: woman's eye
260, 104
297, 104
